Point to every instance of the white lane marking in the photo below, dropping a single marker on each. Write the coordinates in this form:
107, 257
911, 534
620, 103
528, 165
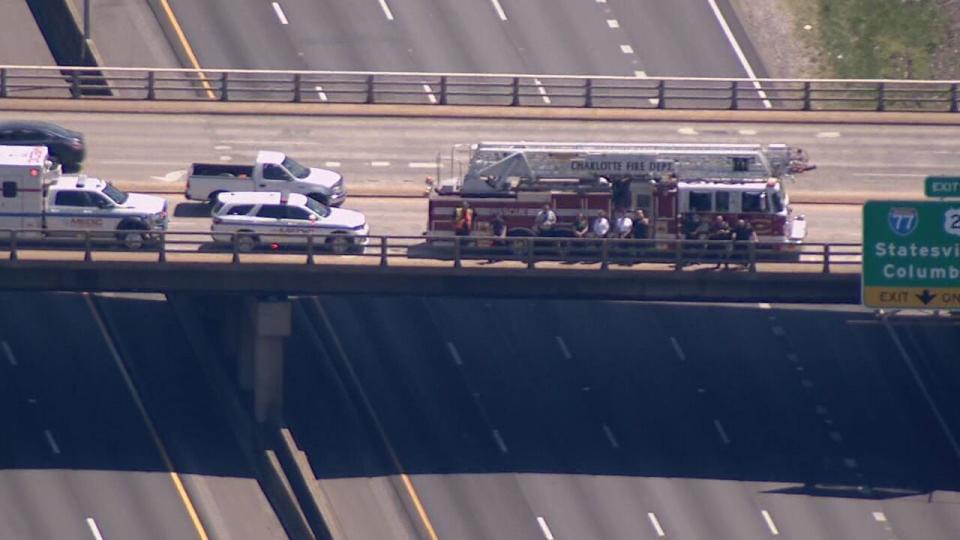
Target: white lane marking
320, 93
379, 163
499, 8
656, 524
770, 524
828, 134
688, 131
502, 445
9, 354
430, 96
747, 131
94, 530
721, 431
545, 528
280, 15
640, 74
421, 165
677, 349
222, 147
563, 348
226, 158
454, 353
880, 516
778, 331
610, 437
613, 23
386, 10
542, 90
626, 49
739, 52
332, 164
51, 441
923, 388
850, 463
764, 305
601, 1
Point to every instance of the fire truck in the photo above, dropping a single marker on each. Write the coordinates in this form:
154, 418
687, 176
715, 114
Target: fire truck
666, 181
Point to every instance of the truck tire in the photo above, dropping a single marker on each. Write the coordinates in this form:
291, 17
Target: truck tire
132, 234
320, 198
340, 243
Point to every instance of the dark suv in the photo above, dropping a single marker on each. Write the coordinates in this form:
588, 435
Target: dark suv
66, 146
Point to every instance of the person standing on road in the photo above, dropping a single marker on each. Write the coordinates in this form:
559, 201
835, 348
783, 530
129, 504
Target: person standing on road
463, 219
743, 236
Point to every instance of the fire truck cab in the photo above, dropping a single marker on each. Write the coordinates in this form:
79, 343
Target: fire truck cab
666, 181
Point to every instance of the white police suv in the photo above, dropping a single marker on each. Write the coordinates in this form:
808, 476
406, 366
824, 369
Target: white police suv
253, 219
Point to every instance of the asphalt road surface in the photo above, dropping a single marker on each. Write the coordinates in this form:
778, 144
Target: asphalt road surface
78, 458
558, 419
563, 37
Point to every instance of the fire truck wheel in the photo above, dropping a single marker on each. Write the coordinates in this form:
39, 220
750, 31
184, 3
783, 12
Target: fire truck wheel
519, 246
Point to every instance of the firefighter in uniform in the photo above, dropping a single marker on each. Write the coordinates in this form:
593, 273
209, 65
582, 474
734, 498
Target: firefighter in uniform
463, 219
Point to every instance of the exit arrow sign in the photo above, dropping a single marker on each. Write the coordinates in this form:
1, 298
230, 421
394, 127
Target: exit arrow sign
942, 186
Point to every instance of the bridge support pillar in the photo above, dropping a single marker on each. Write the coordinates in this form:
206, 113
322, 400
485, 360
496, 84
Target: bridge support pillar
264, 326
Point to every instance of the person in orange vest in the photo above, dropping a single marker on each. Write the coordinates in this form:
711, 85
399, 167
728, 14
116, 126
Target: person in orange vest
463, 219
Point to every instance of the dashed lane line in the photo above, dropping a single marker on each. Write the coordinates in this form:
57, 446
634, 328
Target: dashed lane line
721, 431
613, 440
613, 23
386, 9
500, 442
454, 353
676, 348
563, 348
430, 96
499, 9
547, 533
770, 524
542, 91
320, 93
9, 354
656, 524
280, 14
94, 529
51, 441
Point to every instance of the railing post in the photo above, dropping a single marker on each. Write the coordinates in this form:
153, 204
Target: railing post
309, 250
954, 95
531, 262
224, 87
443, 90
74, 85
678, 255
881, 97
661, 94
734, 95
383, 251
826, 258
752, 254
588, 93
605, 254
87, 255
456, 252
370, 94
297, 92
516, 92
162, 249
3, 85
13, 245
151, 86
236, 249
807, 96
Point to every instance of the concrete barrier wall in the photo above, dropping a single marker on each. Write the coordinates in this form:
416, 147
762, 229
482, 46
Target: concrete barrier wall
431, 281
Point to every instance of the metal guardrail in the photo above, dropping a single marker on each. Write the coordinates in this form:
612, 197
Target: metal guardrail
473, 251
479, 89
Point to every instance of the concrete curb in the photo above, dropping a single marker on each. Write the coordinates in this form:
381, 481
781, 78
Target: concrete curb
313, 500
104, 106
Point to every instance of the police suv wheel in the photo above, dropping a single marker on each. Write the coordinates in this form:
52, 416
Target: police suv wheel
246, 243
340, 243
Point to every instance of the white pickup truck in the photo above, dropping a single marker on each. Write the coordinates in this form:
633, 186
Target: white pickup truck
272, 171
39, 203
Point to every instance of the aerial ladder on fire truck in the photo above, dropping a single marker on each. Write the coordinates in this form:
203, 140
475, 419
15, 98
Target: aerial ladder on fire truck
503, 168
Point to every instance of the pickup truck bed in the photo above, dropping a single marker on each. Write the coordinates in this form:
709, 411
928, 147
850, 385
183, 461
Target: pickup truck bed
218, 169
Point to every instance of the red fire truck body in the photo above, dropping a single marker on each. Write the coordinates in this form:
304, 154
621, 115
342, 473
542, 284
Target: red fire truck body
665, 181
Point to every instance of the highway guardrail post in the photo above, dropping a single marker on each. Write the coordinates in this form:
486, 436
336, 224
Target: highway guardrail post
826, 258
162, 247
3, 84
531, 262
383, 251
588, 93
678, 255
370, 94
807, 96
13, 245
954, 96
516, 92
87, 255
734, 95
881, 91
752, 253
456, 252
661, 94
297, 93
310, 249
605, 254
443, 90
224, 87
151, 85
74, 85
236, 249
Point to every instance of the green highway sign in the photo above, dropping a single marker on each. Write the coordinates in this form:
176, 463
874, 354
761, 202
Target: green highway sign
911, 254
942, 186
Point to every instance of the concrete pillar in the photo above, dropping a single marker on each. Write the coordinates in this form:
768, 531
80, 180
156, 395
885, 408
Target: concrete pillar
264, 325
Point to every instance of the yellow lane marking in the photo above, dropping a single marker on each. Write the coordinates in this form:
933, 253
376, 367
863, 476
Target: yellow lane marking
186, 45
168, 463
419, 505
